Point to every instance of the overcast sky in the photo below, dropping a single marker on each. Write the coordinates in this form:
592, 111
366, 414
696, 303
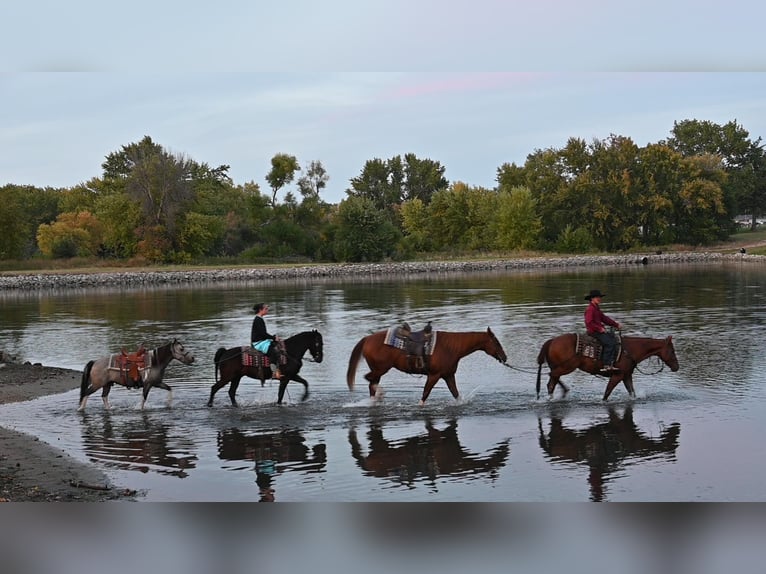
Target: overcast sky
469, 84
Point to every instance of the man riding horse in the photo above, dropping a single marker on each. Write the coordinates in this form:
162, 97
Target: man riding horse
594, 325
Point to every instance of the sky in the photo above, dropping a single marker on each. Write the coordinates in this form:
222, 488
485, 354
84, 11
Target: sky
470, 85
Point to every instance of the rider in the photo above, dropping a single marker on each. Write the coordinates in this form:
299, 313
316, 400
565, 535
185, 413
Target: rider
594, 324
261, 340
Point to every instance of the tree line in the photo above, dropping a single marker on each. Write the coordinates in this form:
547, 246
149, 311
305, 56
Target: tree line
150, 205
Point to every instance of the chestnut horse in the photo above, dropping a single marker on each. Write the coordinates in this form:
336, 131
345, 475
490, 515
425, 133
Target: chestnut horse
562, 358
442, 363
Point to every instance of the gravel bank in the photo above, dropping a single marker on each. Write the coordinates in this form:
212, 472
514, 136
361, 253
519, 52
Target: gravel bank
42, 281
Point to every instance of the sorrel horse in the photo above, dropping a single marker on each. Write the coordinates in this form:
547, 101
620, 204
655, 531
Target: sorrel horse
449, 348
562, 358
228, 362
99, 374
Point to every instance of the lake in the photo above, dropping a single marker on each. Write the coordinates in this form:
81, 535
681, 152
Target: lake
693, 435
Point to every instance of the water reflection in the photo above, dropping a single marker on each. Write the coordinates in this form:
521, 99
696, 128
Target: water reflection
607, 447
272, 453
436, 453
137, 443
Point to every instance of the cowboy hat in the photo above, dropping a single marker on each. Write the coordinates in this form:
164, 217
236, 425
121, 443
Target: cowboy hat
594, 293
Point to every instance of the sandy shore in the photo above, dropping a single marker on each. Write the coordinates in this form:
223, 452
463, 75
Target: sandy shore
32, 470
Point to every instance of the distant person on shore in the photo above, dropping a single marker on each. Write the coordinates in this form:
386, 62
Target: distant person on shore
264, 342
595, 319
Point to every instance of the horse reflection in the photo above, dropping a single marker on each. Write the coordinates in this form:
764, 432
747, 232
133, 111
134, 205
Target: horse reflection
140, 444
606, 447
431, 455
272, 453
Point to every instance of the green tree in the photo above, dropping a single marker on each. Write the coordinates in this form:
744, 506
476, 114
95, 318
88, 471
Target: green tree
517, 223
159, 181
416, 226
283, 168
72, 234
313, 180
377, 184
659, 178
737, 153
510, 175
14, 240
423, 178
121, 219
364, 233
700, 204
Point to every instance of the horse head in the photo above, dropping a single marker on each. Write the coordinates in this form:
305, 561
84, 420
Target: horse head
494, 348
317, 346
180, 353
668, 354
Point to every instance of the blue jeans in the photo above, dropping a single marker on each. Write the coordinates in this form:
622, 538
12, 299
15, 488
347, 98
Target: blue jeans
610, 346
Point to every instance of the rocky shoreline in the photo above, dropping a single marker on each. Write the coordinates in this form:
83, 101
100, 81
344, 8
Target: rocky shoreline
63, 280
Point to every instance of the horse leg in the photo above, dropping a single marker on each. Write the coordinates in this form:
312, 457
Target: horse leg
105, 395
283, 385
627, 380
613, 382
555, 379
452, 385
374, 380
430, 382
160, 385
233, 390
215, 388
84, 400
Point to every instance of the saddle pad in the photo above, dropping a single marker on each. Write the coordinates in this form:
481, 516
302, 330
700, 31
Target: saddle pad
591, 347
254, 358
392, 340
588, 347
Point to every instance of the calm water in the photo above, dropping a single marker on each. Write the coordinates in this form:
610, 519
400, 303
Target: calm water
694, 435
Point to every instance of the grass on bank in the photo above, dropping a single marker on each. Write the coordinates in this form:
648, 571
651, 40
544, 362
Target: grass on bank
753, 241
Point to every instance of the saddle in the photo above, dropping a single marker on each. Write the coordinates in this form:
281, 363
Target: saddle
254, 358
131, 366
417, 344
591, 347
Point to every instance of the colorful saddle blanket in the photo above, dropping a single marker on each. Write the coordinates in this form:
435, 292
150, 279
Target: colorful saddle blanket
255, 358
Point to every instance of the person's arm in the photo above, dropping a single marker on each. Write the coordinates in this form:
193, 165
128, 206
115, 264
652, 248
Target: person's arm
609, 321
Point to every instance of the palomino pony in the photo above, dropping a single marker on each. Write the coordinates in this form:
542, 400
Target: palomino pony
562, 358
449, 348
99, 374
228, 362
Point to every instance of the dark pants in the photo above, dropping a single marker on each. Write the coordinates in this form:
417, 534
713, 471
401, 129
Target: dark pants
610, 346
274, 353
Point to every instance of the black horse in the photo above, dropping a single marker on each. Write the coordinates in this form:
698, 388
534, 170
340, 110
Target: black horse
228, 362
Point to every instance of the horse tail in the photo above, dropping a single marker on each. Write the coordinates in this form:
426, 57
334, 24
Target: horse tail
353, 361
85, 382
541, 357
217, 359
